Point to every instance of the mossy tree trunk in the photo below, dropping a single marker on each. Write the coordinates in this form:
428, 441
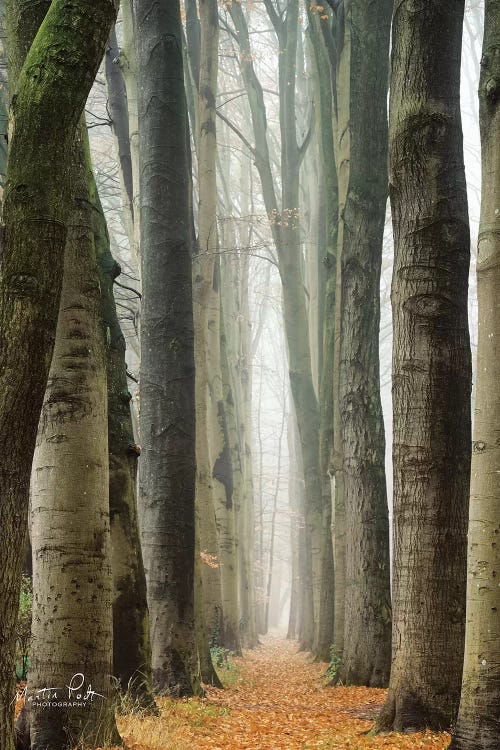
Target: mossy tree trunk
478, 725
167, 469
431, 366
72, 631
48, 95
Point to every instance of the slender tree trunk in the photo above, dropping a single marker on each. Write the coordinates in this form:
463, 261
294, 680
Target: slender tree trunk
295, 317
478, 726
341, 98
131, 643
128, 67
120, 125
72, 632
272, 541
45, 110
367, 641
431, 366
167, 418
215, 481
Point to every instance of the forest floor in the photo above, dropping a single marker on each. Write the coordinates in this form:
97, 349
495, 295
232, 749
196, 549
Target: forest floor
274, 699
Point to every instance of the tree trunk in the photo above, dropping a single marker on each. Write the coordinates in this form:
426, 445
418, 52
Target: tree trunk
431, 366
366, 656
117, 106
128, 67
329, 185
215, 481
167, 419
45, 110
478, 726
131, 643
72, 631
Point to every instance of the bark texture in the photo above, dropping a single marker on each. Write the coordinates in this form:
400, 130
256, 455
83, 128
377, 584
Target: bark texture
215, 485
478, 725
367, 640
48, 96
431, 366
72, 631
131, 642
167, 418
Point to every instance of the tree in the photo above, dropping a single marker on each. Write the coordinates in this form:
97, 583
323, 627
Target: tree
215, 486
68, 50
431, 366
285, 226
167, 418
361, 102
478, 726
72, 630
131, 641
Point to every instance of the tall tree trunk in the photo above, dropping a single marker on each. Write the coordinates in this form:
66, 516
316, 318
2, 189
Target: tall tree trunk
117, 106
431, 366
341, 98
128, 67
72, 632
167, 418
131, 642
295, 317
366, 656
45, 110
478, 726
215, 481
329, 184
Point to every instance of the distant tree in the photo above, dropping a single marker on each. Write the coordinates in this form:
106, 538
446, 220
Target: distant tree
431, 366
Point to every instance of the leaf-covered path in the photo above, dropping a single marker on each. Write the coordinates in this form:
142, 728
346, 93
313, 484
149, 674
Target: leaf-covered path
276, 700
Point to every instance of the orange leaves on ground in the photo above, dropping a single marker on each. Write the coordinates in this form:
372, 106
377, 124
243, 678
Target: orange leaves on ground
279, 702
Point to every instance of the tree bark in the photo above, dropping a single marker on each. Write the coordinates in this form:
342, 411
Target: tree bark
72, 631
431, 366
120, 125
167, 418
131, 642
478, 725
329, 185
366, 655
45, 109
215, 480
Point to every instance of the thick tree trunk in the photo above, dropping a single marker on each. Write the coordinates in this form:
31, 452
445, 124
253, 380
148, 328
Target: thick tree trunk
131, 643
431, 366
478, 725
167, 418
366, 656
72, 632
329, 184
45, 110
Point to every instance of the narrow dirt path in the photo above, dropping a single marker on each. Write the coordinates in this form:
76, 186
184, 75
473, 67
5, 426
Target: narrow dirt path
277, 701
